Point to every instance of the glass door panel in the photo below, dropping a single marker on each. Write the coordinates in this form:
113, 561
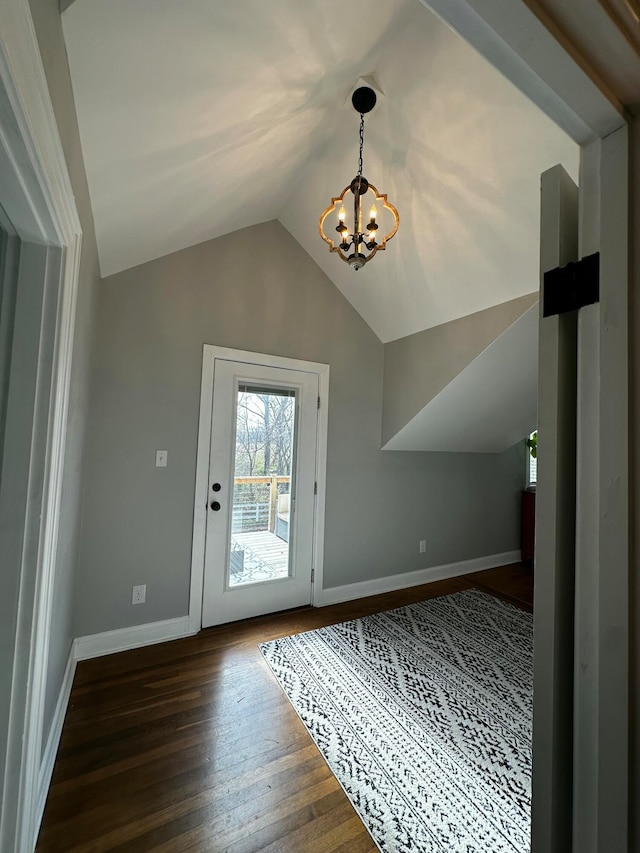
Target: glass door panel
263, 486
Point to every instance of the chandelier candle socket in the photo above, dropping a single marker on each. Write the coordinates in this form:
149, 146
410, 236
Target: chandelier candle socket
361, 243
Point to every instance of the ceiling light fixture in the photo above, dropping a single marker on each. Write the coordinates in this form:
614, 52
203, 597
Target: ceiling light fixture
362, 243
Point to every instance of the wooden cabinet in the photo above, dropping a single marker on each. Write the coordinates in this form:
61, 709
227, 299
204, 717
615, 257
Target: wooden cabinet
528, 526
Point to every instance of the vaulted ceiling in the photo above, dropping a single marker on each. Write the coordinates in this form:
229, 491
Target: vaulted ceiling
198, 118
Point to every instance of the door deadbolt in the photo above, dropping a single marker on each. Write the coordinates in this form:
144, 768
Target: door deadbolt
215, 506
216, 487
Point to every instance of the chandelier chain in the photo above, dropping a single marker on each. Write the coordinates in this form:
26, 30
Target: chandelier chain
360, 153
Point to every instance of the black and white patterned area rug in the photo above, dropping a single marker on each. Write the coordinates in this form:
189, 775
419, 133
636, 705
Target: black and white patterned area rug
423, 715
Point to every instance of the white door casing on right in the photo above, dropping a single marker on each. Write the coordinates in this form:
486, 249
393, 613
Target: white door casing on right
601, 685
581, 666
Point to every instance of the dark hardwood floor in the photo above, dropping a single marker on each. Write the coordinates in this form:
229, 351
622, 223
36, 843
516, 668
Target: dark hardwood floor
191, 745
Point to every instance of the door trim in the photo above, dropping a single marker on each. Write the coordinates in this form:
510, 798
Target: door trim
41, 205
209, 355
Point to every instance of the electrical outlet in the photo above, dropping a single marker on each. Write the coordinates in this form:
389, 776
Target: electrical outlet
423, 546
139, 594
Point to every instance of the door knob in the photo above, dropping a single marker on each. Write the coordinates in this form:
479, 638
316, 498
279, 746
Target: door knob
215, 506
216, 487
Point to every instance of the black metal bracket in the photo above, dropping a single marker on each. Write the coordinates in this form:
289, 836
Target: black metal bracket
364, 100
571, 287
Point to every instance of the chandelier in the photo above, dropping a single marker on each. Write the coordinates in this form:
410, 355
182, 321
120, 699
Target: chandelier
358, 245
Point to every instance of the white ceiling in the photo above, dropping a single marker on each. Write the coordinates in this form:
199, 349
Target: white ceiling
200, 117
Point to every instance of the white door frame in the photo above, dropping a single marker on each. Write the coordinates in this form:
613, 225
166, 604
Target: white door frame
209, 355
581, 618
40, 203
602, 625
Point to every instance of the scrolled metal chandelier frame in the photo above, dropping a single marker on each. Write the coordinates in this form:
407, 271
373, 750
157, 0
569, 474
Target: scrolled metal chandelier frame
359, 245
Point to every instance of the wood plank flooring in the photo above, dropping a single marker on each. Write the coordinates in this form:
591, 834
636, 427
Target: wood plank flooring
191, 745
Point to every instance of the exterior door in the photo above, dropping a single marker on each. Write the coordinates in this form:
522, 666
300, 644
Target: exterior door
261, 491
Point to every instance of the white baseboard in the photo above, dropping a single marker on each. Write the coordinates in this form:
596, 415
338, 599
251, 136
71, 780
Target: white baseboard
351, 591
53, 741
122, 639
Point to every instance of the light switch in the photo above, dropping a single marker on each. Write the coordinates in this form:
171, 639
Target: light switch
161, 458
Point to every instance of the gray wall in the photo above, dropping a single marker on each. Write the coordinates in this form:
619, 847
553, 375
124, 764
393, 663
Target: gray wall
419, 366
48, 26
256, 290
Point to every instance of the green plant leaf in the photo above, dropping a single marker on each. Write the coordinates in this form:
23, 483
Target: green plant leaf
532, 444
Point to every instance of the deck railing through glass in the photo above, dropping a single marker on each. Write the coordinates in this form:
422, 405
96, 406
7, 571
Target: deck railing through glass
255, 502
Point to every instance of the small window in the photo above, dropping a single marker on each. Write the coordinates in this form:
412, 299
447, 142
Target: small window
532, 461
